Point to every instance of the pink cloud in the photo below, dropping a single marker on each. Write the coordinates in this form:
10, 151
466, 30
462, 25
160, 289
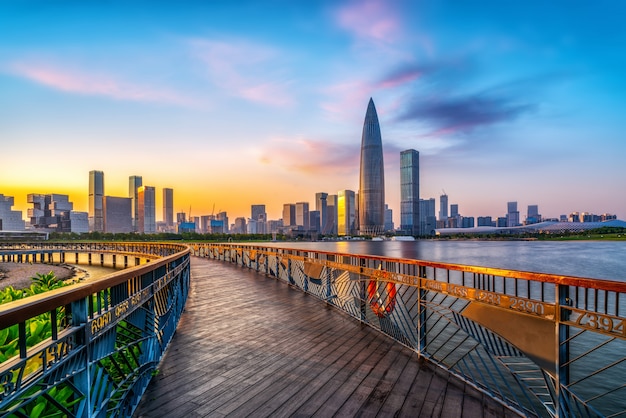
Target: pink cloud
374, 20
323, 158
245, 70
268, 93
90, 83
398, 80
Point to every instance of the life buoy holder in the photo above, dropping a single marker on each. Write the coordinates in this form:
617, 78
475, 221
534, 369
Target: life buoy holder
378, 306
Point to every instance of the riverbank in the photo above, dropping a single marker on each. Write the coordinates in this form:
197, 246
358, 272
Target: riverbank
19, 275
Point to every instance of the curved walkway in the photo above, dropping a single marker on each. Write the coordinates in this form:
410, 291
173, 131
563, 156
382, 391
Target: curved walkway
248, 345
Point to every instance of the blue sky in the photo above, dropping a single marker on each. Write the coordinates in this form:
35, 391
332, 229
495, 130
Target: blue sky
240, 103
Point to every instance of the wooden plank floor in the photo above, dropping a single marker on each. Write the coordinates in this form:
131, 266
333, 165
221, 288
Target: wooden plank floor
249, 345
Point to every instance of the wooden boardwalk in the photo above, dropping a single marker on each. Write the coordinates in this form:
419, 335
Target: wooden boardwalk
249, 345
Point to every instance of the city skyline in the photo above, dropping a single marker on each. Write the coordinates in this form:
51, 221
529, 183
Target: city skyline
504, 102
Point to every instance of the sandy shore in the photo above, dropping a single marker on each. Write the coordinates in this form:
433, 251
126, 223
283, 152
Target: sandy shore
19, 275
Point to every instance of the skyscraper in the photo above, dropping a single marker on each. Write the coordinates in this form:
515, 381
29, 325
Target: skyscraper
117, 212
314, 221
289, 214
428, 220
259, 216
302, 215
168, 208
346, 212
321, 205
533, 216
146, 219
388, 219
96, 201
512, 215
443, 207
331, 215
372, 176
134, 183
410, 192
258, 212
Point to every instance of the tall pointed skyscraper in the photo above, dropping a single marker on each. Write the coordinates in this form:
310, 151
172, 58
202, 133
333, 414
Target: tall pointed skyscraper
372, 178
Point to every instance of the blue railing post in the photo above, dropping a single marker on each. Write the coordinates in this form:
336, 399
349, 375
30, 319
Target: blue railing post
289, 272
562, 357
362, 290
421, 309
82, 379
329, 292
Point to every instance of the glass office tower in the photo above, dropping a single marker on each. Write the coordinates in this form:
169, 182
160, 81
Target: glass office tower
410, 192
372, 176
96, 201
134, 183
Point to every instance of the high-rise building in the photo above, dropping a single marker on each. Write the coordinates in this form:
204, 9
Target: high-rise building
372, 176
259, 215
388, 218
168, 208
410, 192
10, 220
223, 217
533, 216
240, 226
454, 210
485, 221
134, 183
205, 223
96, 201
512, 215
146, 213
258, 211
331, 215
346, 213
289, 214
302, 215
467, 222
443, 207
321, 205
314, 221
117, 214
428, 219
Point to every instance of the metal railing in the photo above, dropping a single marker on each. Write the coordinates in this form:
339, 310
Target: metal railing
90, 349
545, 345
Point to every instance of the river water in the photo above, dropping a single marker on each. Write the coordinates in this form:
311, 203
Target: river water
592, 259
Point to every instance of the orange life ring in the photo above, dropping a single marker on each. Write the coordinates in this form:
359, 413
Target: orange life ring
379, 307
